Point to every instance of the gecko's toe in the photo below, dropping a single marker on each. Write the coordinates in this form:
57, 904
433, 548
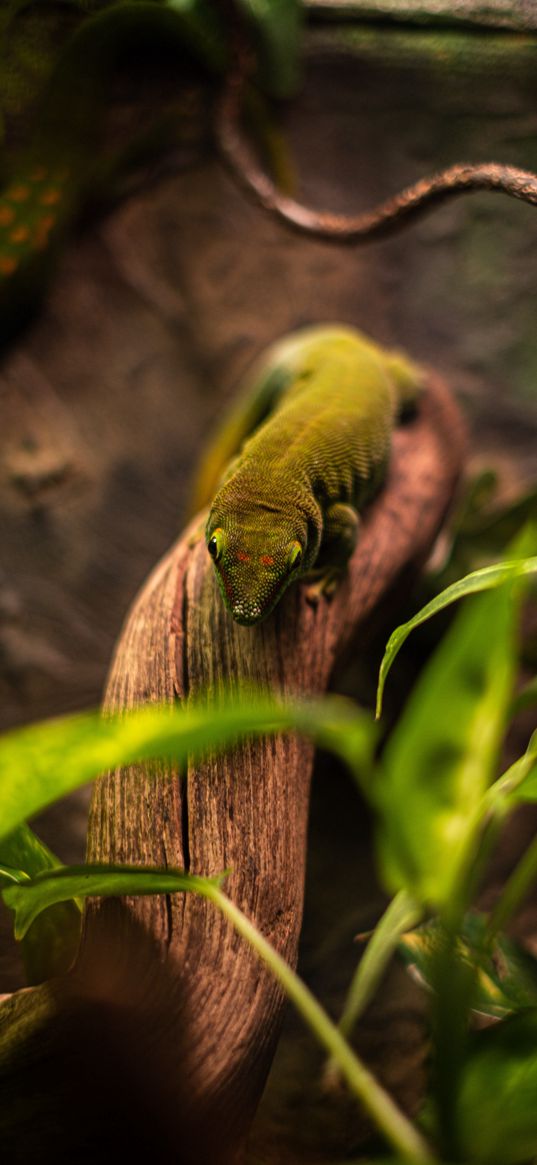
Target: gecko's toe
324, 587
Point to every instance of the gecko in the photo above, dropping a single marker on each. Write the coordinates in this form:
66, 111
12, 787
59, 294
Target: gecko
289, 504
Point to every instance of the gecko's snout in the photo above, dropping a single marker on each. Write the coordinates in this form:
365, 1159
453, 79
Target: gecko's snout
255, 559
246, 615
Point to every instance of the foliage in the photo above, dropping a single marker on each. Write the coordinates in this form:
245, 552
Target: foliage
439, 805
506, 976
40, 763
487, 578
27, 897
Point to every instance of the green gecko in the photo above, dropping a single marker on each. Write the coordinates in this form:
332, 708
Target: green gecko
289, 503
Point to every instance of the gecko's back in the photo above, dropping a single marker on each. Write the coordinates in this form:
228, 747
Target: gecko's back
297, 484
330, 432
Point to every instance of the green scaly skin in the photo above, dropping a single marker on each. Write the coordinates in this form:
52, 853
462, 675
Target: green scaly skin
289, 504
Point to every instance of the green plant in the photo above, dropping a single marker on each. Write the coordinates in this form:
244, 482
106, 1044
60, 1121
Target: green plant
438, 805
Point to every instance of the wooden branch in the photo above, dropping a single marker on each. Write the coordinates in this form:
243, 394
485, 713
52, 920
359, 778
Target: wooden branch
501, 14
247, 811
382, 220
169, 1023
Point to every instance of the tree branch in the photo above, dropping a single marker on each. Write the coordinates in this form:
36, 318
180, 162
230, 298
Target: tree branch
247, 811
384, 219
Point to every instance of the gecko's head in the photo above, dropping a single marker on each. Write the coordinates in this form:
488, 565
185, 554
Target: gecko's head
256, 557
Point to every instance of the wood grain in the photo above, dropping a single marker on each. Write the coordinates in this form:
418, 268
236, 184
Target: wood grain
247, 811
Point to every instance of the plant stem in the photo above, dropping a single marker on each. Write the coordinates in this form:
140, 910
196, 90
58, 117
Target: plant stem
392, 1123
402, 914
453, 984
514, 891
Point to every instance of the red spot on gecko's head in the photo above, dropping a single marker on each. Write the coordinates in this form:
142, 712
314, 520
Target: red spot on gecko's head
267, 560
242, 557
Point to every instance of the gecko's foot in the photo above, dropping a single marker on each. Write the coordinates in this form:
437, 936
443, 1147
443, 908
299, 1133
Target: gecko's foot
340, 534
324, 588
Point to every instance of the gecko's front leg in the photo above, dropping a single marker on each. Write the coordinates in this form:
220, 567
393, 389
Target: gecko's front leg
341, 525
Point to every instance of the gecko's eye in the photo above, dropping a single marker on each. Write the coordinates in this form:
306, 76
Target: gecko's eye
295, 556
215, 544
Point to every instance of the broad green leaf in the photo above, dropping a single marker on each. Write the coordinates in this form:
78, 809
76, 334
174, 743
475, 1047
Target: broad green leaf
401, 913
443, 753
489, 577
506, 979
497, 1104
30, 896
41, 763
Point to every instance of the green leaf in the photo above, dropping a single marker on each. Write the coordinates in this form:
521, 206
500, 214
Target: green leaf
443, 753
497, 1103
50, 945
515, 890
401, 913
40, 763
525, 788
10, 876
487, 578
203, 28
30, 897
526, 698
276, 26
24, 849
518, 783
506, 979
